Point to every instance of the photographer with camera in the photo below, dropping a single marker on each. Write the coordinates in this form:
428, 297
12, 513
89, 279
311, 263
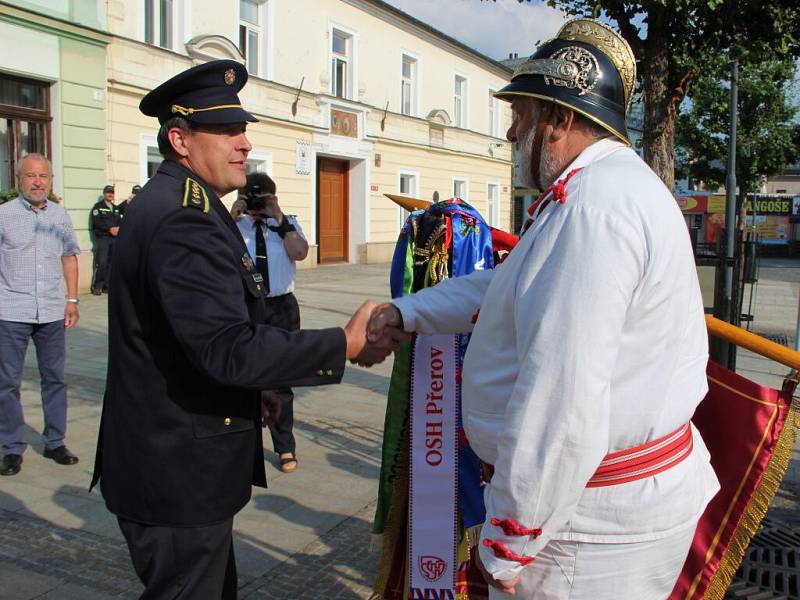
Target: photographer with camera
275, 241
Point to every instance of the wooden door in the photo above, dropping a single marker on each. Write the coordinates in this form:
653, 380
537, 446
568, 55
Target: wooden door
332, 210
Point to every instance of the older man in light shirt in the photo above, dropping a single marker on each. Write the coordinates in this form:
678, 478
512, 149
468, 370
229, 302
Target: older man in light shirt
38, 254
588, 356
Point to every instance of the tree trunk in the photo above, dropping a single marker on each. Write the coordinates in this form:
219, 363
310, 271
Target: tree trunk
659, 120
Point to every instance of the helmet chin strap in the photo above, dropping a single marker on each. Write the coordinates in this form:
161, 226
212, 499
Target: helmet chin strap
538, 144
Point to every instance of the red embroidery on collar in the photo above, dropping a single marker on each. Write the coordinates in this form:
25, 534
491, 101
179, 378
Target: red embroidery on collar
559, 194
511, 527
559, 187
501, 551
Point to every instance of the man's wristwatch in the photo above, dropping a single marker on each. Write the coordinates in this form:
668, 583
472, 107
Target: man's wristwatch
74, 300
284, 227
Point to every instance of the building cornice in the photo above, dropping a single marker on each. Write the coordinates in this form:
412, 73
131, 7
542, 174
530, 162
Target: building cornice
52, 25
402, 20
442, 149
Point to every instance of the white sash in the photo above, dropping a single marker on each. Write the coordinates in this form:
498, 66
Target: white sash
433, 487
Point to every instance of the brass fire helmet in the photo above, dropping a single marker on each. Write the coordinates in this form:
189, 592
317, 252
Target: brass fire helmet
587, 67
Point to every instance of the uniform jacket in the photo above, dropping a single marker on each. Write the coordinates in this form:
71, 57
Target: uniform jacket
104, 218
590, 339
180, 436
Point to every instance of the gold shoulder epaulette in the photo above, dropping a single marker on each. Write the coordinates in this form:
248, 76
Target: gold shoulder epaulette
194, 195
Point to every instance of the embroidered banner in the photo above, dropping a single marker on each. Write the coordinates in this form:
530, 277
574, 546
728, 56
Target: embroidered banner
433, 485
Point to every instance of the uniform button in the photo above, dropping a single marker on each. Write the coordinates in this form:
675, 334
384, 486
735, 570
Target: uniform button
330, 372
320, 372
227, 421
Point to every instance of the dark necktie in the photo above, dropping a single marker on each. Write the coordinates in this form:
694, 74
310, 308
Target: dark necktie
261, 253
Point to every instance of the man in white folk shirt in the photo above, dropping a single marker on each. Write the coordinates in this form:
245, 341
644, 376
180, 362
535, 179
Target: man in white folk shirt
588, 355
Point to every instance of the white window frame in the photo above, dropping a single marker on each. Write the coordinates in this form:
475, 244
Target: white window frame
465, 181
493, 209
351, 58
265, 166
402, 213
463, 122
266, 31
177, 23
494, 114
185, 15
145, 142
265, 158
415, 82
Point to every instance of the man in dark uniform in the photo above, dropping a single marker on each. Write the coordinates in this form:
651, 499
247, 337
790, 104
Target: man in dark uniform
127, 202
180, 438
105, 226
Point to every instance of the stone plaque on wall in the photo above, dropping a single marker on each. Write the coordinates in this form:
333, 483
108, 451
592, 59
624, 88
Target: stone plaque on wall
344, 123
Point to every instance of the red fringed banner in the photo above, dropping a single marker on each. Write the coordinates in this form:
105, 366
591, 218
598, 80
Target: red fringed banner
749, 430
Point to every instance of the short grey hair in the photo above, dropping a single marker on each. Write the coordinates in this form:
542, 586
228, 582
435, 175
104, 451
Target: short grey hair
162, 139
37, 156
592, 128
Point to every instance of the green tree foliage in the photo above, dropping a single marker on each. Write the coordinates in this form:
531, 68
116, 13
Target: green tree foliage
675, 40
767, 135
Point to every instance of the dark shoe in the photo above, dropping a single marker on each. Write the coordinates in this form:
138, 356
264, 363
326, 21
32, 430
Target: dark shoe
61, 455
12, 463
96, 292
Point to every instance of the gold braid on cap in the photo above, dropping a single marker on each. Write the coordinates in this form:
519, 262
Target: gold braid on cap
182, 110
608, 41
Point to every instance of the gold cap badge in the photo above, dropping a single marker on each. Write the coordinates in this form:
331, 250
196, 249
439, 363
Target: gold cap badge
230, 76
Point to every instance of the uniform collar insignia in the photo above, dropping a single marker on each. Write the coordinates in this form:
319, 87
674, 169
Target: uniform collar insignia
194, 195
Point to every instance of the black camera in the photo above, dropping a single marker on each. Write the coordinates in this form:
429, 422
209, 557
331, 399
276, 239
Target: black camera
255, 199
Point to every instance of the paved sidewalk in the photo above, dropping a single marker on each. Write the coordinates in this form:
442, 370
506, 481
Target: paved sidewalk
308, 535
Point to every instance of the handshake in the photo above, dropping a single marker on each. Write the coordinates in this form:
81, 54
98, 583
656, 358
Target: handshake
373, 333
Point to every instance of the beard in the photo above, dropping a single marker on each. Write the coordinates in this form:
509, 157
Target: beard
550, 165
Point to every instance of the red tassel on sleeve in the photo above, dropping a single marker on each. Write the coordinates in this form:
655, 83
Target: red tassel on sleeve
501, 551
511, 527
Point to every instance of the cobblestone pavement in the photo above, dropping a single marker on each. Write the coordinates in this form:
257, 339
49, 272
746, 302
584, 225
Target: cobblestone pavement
70, 563
308, 535
309, 531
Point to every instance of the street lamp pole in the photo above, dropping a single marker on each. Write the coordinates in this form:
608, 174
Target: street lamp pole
730, 213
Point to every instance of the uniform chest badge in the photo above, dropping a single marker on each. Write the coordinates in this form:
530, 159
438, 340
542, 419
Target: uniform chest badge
95, 212
247, 262
258, 278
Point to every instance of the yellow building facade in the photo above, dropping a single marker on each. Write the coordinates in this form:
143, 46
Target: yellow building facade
354, 99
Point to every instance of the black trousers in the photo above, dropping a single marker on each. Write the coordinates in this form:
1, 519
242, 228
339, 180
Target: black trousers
285, 313
103, 246
183, 563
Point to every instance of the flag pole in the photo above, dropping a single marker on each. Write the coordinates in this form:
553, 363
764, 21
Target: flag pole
754, 343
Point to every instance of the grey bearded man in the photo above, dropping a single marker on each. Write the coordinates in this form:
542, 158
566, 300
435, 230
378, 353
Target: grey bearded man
588, 355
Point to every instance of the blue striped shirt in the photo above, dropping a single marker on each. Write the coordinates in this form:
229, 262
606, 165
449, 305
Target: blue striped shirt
32, 243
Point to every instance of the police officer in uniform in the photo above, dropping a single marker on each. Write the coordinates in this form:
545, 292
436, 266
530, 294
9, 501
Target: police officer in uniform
180, 438
127, 202
105, 227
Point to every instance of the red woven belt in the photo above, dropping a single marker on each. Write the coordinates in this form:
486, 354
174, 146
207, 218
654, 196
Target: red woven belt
644, 461
634, 463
